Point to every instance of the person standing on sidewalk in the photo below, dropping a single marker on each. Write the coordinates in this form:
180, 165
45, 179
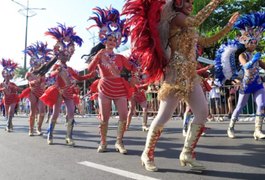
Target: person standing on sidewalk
111, 86
10, 91
178, 65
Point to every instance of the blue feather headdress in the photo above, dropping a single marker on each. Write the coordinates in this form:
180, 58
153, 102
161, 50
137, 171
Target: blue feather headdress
226, 66
39, 53
108, 20
251, 27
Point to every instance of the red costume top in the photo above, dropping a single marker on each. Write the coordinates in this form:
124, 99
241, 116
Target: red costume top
76, 94
64, 77
202, 72
111, 83
36, 85
10, 93
139, 95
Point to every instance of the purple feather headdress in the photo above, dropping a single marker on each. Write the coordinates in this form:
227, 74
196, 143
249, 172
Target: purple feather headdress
39, 53
66, 39
9, 66
251, 27
108, 20
64, 34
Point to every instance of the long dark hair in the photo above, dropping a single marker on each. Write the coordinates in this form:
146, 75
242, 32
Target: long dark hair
93, 52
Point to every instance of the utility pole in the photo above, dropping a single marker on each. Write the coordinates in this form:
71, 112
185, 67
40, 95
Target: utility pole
27, 12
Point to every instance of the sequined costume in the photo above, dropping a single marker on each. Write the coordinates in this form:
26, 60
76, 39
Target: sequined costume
240, 54
164, 39
138, 97
39, 54
10, 91
64, 77
181, 71
64, 84
111, 86
251, 81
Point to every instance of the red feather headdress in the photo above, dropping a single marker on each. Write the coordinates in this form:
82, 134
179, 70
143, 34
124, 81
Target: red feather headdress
9, 66
143, 17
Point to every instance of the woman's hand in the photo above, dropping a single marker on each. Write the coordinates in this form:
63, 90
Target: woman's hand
233, 19
100, 55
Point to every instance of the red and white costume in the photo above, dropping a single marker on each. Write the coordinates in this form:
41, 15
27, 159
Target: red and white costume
111, 86
64, 76
10, 91
138, 96
39, 54
63, 86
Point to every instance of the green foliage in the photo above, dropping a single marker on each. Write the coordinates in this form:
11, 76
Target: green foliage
21, 72
220, 17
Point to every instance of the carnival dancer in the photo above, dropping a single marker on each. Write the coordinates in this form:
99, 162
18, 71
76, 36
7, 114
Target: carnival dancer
77, 100
39, 54
172, 53
111, 86
138, 96
64, 75
251, 27
10, 91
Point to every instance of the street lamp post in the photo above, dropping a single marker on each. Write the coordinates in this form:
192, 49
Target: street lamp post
28, 12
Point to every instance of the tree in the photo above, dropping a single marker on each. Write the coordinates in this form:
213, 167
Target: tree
21, 72
219, 18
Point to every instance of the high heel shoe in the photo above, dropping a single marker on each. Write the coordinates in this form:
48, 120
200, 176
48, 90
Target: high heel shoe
49, 141
258, 128
102, 148
69, 141
31, 133
187, 156
120, 131
147, 157
39, 133
148, 164
120, 148
186, 159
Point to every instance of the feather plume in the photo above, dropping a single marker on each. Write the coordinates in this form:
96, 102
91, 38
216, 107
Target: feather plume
143, 21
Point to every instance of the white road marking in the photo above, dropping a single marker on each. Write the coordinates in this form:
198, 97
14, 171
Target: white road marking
116, 171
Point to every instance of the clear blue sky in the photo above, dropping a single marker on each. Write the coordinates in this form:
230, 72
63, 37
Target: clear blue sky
71, 12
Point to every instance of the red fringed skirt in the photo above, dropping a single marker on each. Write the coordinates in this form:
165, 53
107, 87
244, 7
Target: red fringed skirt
50, 96
10, 99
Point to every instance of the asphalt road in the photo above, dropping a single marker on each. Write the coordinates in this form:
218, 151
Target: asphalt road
29, 158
